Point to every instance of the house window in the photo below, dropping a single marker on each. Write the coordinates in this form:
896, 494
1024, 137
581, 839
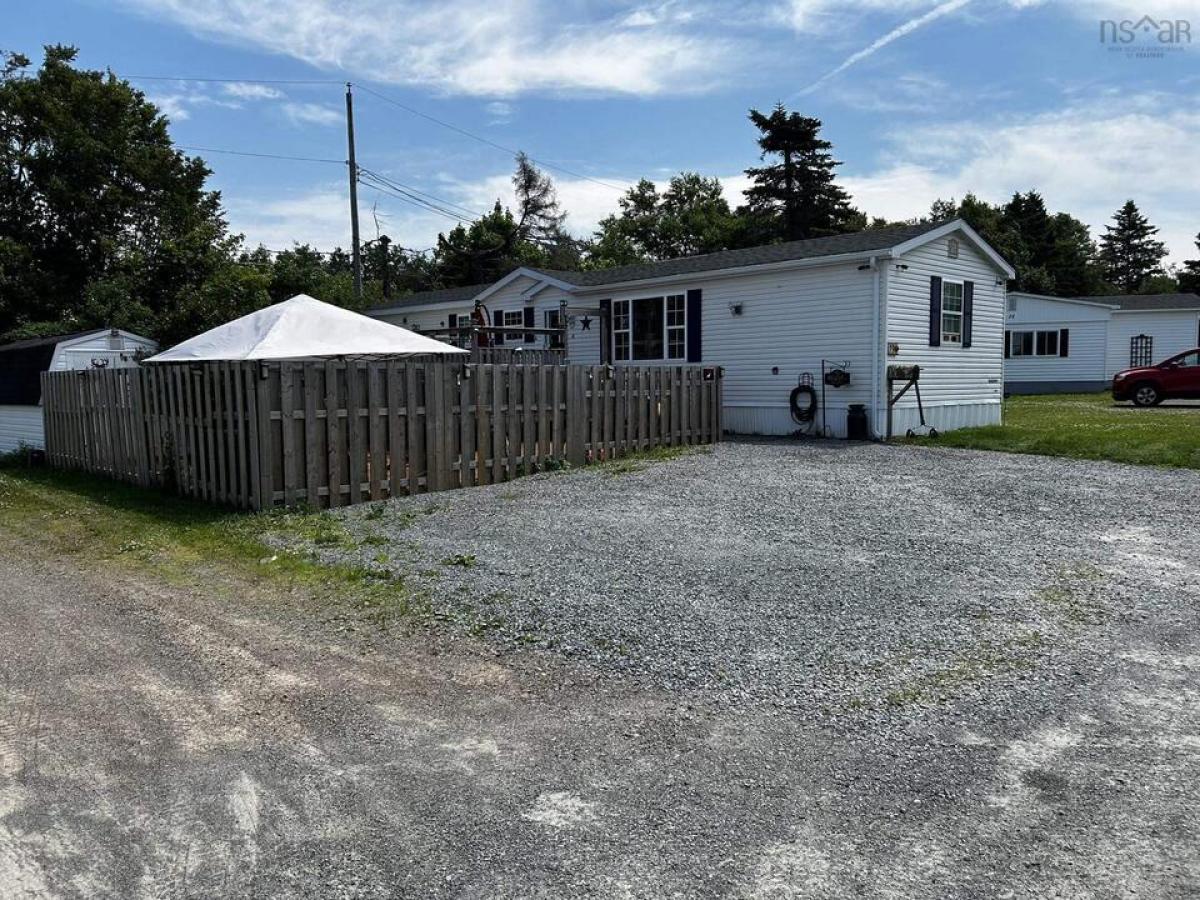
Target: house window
650, 328
1141, 350
554, 320
513, 317
621, 335
1047, 343
676, 327
952, 312
1020, 343
1034, 343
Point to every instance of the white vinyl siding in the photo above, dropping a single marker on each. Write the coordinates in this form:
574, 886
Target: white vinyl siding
1173, 333
790, 320
959, 385
21, 426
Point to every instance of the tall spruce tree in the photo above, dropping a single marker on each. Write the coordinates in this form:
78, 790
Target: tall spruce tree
1129, 253
796, 195
1189, 273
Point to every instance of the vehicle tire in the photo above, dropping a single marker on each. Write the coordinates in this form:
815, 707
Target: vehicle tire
1146, 394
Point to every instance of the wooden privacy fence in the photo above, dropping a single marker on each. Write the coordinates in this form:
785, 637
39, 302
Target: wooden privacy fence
259, 435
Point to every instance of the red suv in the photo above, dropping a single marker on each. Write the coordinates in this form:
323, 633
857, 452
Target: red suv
1177, 378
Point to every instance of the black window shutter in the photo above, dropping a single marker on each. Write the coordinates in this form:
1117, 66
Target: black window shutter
605, 332
695, 348
935, 311
1007, 341
498, 336
1064, 335
968, 311
530, 322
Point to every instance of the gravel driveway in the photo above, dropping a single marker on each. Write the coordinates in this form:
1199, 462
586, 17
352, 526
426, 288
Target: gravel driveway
825, 578
772, 671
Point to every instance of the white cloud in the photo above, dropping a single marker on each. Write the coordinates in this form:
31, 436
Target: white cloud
1085, 160
499, 112
488, 47
312, 114
173, 106
320, 216
249, 91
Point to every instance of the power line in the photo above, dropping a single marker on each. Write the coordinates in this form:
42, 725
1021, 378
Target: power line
318, 159
509, 150
384, 97
401, 186
413, 200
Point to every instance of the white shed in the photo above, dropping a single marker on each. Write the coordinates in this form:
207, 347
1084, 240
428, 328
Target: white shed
930, 295
1060, 344
23, 362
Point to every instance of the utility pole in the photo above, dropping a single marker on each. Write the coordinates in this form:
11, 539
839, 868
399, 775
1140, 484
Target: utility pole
385, 243
355, 259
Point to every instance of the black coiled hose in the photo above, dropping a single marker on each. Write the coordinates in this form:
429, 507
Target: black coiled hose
803, 410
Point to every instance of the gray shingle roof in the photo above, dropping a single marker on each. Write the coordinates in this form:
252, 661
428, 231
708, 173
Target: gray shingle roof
442, 295
858, 242
1142, 302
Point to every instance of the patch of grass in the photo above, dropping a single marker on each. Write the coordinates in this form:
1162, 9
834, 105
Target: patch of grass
635, 462
189, 543
1088, 426
464, 560
1074, 595
967, 668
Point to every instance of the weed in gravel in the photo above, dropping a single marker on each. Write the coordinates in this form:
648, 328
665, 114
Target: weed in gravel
464, 560
1074, 595
635, 462
984, 660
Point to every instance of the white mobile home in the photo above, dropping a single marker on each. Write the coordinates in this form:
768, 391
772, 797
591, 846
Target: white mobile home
775, 317
1059, 344
23, 362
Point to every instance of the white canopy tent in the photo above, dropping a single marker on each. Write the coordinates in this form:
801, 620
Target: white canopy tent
302, 328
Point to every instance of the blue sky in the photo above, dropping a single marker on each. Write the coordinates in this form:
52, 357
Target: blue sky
921, 98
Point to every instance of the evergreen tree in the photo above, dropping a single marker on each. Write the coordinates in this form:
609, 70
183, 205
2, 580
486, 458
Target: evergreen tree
1129, 253
796, 195
1189, 274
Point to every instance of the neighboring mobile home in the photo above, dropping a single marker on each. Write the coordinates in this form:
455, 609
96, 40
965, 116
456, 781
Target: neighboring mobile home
23, 362
1058, 345
931, 295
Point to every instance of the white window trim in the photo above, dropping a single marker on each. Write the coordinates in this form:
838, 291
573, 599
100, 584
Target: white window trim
627, 330
519, 321
666, 328
942, 324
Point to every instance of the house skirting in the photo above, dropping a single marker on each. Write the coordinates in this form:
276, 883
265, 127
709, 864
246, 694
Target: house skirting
1055, 387
760, 420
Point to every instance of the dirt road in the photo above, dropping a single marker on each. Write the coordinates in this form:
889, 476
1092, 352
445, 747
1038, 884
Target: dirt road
160, 743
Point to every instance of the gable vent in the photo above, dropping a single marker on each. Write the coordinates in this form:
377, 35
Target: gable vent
952, 248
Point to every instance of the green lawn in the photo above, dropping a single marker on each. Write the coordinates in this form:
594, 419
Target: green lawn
192, 544
1088, 426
